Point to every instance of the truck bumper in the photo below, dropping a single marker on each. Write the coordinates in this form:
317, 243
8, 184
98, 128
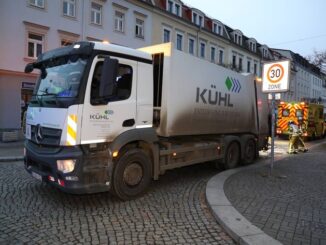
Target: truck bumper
92, 172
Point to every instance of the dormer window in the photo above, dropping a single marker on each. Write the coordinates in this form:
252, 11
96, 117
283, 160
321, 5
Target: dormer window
197, 19
217, 28
173, 7
237, 37
252, 45
265, 53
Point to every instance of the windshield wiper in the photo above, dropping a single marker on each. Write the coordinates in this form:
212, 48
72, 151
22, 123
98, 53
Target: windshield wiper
45, 92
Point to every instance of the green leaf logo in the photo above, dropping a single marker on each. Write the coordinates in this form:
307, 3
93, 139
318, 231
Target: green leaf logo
228, 83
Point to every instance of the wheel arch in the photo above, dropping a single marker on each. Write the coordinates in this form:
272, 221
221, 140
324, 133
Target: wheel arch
138, 138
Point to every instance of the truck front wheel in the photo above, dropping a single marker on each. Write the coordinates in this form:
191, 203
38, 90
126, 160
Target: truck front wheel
232, 156
132, 174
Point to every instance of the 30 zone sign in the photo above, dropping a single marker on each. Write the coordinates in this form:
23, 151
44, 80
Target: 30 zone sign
276, 76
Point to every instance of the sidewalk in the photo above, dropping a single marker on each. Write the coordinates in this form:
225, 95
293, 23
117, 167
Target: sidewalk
287, 207
12, 151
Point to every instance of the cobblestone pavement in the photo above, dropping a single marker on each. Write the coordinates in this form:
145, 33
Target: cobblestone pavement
174, 211
290, 205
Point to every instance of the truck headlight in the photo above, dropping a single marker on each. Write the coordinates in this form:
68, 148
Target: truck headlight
66, 166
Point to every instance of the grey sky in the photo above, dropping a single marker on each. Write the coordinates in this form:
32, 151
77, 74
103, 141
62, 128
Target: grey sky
298, 25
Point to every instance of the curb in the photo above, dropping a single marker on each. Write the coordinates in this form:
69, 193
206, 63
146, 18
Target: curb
236, 225
11, 159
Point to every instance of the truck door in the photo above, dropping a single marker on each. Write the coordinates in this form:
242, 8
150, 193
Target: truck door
104, 119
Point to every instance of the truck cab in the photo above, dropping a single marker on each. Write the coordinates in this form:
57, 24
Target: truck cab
87, 95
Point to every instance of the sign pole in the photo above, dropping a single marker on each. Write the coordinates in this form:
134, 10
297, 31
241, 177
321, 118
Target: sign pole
275, 80
273, 133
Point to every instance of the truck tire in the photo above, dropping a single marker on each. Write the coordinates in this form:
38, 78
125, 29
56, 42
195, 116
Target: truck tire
131, 174
249, 152
232, 155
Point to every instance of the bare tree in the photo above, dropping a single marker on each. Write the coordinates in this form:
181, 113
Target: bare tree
318, 59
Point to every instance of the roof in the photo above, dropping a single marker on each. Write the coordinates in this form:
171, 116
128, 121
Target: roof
121, 50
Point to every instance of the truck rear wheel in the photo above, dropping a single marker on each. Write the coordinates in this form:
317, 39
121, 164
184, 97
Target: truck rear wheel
232, 156
132, 174
249, 151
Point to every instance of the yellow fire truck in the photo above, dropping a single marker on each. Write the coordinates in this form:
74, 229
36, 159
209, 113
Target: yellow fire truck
310, 114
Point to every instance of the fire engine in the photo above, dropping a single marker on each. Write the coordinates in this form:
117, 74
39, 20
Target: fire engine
310, 115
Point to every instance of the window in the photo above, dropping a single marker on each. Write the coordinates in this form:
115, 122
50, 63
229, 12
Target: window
255, 69
215, 27
240, 64
120, 90
191, 46
37, 3
221, 57
238, 38
173, 7
265, 54
139, 28
285, 112
66, 42
202, 50
200, 21
177, 10
179, 42
35, 45
234, 61
119, 20
213, 51
69, 8
248, 66
170, 6
194, 18
252, 46
166, 36
96, 14
219, 30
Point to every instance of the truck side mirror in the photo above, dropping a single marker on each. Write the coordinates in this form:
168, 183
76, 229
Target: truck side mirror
108, 77
29, 68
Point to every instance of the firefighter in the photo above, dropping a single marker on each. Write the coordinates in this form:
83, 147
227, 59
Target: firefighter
300, 144
293, 138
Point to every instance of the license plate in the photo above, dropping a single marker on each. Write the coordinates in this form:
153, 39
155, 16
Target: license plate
37, 176
28, 133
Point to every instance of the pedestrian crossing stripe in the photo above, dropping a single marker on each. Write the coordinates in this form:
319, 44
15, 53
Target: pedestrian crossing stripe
72, 129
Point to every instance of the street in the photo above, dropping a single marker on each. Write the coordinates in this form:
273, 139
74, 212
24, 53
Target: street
288, 205
174, 210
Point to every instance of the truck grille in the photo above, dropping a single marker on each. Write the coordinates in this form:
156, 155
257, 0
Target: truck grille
45, 136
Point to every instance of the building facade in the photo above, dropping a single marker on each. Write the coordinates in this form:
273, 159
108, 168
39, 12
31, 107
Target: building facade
193, 32
30, 27
307, 82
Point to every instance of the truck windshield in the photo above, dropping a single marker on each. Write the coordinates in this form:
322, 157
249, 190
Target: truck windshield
60, 78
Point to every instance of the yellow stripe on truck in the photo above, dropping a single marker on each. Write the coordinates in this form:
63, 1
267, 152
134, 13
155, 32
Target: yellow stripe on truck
72, 130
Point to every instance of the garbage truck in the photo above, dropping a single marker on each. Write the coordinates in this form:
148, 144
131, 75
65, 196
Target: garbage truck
110, 118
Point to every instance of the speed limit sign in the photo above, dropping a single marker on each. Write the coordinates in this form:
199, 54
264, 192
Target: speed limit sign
276, 76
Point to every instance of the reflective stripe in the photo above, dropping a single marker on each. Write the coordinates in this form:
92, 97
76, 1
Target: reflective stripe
72, 130
144, 126
93, 141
